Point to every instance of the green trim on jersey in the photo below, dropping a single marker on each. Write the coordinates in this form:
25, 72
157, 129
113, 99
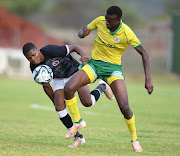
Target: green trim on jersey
79, 121
138, 45
112, 33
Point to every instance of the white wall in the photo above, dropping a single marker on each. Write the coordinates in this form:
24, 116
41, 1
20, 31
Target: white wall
13, 63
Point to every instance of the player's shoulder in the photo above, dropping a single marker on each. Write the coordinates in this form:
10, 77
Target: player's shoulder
100, 18
48, 46
126, 27
42, 49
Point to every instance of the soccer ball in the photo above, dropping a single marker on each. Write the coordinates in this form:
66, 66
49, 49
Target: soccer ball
43, 74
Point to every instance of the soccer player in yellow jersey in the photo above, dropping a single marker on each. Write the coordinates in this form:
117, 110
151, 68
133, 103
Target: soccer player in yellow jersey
113, 37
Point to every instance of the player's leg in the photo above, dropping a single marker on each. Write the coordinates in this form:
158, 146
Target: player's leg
89, 99
90, 73
61, 108
58, 88
85, 76
120, 92
71, 103
78, 80
65, 118
108, 91
79, 122
84, 96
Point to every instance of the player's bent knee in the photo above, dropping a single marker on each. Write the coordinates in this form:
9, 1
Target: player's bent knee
87, 104
59, 108
68, 91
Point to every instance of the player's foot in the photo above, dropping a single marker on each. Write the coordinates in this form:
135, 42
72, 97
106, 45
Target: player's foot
75, 128
136, 146
108, 92
78, 141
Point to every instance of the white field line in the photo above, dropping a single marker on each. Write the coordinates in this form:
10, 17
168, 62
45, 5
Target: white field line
46, 108
40, 107
90, 113
36, 106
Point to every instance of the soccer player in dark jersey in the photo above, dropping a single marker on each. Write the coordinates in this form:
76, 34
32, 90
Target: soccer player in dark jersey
63, 65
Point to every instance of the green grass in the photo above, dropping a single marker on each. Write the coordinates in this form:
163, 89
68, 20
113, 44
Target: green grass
28, 131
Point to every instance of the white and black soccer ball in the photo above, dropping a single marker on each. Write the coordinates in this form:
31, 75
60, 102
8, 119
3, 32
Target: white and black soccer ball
43, 74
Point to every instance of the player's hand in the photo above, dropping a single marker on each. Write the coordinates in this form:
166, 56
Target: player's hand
84, 59
86, 31
149, 87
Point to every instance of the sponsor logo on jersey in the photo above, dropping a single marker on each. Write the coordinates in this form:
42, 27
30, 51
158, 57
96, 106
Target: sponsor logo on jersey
55, 63
116, 39
109, 45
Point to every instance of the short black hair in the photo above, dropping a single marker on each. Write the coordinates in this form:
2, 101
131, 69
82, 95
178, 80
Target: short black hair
28, 47
114, 10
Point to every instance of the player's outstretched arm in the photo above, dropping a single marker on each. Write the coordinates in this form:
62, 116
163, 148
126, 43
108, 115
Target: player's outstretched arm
83, 32
80, 51
145, 59
49, 91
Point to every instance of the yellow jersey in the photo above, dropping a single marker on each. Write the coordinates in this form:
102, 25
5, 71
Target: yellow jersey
110, 46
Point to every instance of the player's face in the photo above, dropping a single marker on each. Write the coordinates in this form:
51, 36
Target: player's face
112, 22
33, 56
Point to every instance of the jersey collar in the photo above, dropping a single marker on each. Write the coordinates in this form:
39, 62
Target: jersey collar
112, 33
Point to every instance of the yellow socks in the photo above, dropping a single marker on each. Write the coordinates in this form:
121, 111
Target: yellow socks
131, 125
72, 106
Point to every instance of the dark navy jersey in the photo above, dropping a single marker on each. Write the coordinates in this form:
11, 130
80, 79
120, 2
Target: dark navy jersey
58, 58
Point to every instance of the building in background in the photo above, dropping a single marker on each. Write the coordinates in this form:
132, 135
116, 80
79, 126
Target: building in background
14, 33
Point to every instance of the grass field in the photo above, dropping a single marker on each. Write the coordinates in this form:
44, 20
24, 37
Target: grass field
30, 126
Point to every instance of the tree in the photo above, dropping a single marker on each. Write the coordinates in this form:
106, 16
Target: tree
21, 7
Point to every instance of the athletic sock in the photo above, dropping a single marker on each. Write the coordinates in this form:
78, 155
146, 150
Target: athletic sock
65, 118
132, 129
96, 93
78, 135
72, 106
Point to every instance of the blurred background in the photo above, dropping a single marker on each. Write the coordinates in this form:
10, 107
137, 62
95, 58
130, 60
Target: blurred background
155, 22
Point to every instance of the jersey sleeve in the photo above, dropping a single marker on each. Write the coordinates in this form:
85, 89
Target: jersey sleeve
132, 38
55, 50
93, 24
